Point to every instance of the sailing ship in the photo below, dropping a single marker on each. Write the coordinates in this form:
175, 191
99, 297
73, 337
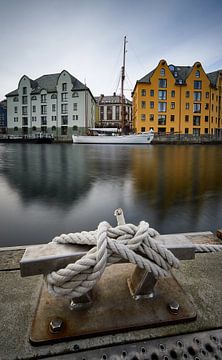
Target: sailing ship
110, 135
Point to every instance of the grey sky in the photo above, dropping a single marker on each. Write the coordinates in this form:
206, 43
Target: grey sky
85, 37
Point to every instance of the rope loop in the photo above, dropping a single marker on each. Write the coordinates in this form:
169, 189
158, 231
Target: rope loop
135, 244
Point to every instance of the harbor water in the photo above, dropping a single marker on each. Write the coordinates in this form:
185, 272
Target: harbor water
47, 190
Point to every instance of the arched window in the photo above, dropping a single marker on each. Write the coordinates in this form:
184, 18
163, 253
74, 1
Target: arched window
33, 97
197, 73
75, 128
15, 98
75, 94
53, 128
54, 96
34, 128
162, 72
15, 128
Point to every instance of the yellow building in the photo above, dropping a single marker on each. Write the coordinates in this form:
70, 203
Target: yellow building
178, 99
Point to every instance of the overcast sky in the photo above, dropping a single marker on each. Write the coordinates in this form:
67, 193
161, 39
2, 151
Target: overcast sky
85, 37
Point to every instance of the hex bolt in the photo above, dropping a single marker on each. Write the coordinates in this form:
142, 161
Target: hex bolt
56, 325
174, 307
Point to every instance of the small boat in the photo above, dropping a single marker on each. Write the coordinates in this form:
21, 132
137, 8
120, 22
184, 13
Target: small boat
114, 138
38, 138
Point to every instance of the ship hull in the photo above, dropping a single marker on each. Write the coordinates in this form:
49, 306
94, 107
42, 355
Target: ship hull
124, 139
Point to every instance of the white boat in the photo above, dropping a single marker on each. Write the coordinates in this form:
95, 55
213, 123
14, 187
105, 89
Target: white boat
113, 138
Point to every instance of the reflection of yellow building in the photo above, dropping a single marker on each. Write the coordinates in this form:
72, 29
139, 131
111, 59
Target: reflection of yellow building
178, 99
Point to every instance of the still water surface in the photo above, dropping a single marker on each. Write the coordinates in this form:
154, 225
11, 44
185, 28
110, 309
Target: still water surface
46, 190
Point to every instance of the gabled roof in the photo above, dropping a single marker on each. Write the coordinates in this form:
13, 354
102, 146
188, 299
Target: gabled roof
48, 82
213, 77
146, 78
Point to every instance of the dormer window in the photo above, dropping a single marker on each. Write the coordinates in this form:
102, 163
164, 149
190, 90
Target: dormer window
64, 87
197, 74
162, 72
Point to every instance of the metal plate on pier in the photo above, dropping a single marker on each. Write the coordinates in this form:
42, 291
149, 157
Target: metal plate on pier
113, 309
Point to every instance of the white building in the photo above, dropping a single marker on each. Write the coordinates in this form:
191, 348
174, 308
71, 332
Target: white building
55, 103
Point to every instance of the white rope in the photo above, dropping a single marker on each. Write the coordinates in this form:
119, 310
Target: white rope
135, 244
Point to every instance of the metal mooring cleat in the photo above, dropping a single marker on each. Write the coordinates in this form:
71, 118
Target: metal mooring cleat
125, 297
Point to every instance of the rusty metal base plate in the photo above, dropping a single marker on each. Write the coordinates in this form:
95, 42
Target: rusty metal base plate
113, 310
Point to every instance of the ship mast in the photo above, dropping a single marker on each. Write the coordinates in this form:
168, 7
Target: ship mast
122, 85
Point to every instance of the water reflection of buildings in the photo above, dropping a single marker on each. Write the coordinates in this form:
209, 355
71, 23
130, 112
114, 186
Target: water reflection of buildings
177, 177
58, 174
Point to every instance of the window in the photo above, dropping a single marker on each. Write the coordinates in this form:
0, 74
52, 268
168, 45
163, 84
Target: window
151, 117
172, 105
75, 107
15, 98
75, 94
15, 109
15, 119
101, 112
162, 94
24, 121
187, 106
143, 117
33, 108
24, 110
64, 119
43, 98
186, 118
143, 104
206, 131
24, 100
34, 118
34, 128
206, 106
187, 94
197, 74
43, 109
172, 117
197, 96
161, 119
171, 130
64, 87
109, 112
206, 118
75, 117
151, 92
143, 92
196, 108
53, 107
197, 84
162, 106
212, 107
162, 72
186, 131
212, 96
53, 96
64, 97
143, 129
162, 83
173, 93
196, 132
53, 128
43, 120
24, 90
117, 112
53, 118
15, 128
196, 121
207, 95
151, 104
33, 97
64, 108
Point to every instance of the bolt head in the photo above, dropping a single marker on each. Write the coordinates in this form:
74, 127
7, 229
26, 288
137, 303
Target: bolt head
56, 325
174, 307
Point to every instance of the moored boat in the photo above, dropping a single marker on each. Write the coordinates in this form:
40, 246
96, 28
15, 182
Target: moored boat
142, 138
38, 138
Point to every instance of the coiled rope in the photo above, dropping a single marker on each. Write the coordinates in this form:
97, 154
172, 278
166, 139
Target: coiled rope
135, 244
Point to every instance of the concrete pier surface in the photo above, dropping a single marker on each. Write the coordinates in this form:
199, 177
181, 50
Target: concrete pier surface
199, 338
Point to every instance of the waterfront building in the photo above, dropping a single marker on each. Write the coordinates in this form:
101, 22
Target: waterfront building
109, 111
55, 103
3, 116
178, 99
